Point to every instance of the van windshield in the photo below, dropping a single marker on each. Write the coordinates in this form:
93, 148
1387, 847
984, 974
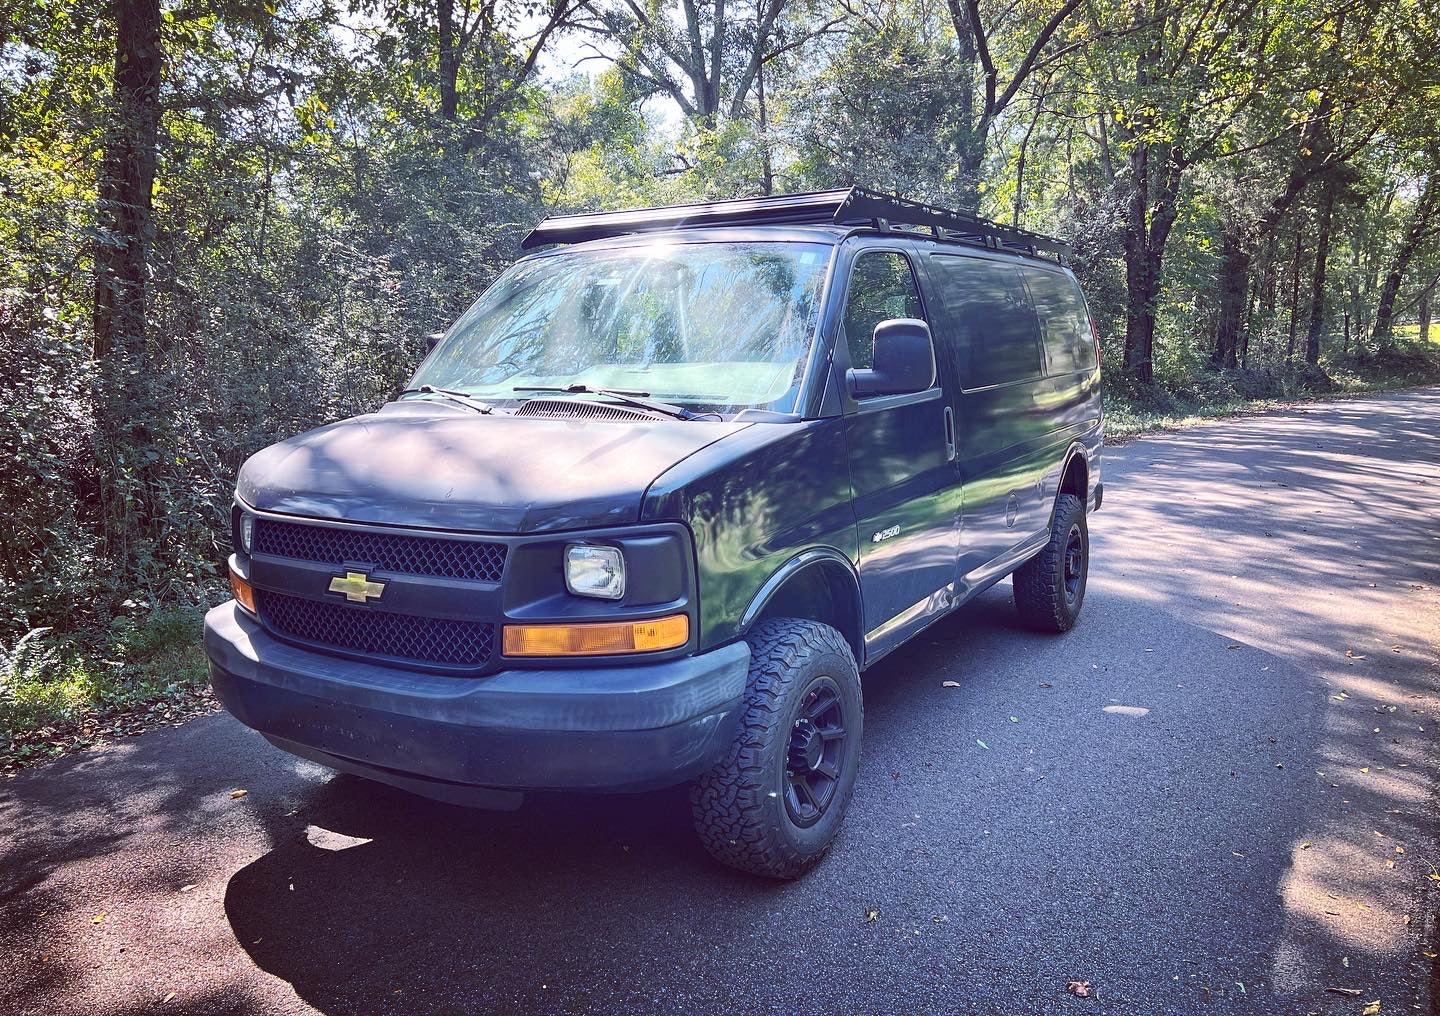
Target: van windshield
720, 325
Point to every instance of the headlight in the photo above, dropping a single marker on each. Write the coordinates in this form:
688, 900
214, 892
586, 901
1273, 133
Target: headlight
247, 531
595, 571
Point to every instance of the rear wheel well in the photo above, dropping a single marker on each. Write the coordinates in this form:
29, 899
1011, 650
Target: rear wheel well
822, 592
1076, 479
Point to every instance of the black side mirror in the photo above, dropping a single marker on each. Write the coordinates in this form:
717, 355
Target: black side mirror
904, 360
432, 340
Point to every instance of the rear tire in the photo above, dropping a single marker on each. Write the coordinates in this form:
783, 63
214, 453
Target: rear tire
1050, 587
774, 803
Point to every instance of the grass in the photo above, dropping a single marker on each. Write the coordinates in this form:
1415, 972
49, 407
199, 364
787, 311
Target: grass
58, 695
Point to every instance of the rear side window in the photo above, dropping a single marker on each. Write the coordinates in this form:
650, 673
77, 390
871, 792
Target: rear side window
1068, 344
882, 287
992, 322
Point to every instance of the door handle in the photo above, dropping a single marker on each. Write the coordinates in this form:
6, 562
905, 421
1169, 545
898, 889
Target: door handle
949, 432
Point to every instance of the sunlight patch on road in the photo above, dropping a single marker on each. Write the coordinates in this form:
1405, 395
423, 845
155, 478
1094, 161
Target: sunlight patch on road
328, 840
1134, 711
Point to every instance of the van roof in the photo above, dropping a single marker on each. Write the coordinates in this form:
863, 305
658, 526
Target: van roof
824, 216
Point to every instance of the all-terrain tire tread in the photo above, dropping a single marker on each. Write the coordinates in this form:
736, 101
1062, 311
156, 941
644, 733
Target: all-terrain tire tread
1039, 596
730, 800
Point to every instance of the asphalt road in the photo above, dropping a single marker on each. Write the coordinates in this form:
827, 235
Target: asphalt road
1196, 801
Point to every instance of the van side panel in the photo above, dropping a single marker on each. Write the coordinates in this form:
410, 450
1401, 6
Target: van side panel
1013, 435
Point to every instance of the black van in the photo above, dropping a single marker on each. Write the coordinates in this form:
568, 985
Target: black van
653, 502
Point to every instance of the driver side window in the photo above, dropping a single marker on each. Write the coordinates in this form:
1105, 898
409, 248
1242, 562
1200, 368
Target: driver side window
882, 287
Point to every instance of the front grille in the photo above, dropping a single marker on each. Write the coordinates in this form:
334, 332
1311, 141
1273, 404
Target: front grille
379, 632
415, 555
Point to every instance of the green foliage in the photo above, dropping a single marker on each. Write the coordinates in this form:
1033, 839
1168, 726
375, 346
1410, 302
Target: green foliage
58, 691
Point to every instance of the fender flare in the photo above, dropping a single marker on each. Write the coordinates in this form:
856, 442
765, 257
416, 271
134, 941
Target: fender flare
811, 557
1076, 448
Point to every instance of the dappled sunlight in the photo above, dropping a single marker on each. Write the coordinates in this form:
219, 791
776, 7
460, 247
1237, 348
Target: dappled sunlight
1331, 882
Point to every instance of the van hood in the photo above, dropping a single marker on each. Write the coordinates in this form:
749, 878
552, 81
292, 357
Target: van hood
443, 466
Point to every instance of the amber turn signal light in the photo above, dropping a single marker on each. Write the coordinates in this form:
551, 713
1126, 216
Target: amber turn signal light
596, 639
244, 592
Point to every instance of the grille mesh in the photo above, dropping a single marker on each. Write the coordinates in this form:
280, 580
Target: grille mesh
415, 555
422, 639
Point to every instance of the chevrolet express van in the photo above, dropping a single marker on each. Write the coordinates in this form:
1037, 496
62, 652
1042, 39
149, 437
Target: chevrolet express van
650, 506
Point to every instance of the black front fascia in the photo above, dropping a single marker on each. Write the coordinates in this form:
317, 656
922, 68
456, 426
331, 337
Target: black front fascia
660, 581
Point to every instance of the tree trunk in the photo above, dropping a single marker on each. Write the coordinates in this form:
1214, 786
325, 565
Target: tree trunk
1317, 277
1139, 313
1234, 290
126, 414
1294, 297
1020, 164
1419, 227
767, 166
448, 60
127, 177
1425, 298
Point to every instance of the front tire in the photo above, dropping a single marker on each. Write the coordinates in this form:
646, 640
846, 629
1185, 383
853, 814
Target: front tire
774, 803
1050, 587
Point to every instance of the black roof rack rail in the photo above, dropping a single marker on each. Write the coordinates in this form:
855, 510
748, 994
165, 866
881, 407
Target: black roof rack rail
854, 206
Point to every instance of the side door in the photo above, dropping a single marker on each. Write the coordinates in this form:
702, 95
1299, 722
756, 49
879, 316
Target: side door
901, 451
1003, 433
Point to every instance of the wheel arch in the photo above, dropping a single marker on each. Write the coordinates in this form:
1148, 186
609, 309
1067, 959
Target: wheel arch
1074, 476
819, 584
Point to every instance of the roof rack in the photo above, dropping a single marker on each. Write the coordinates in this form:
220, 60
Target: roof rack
855, 206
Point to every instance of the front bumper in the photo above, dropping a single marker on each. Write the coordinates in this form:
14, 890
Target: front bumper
630, 727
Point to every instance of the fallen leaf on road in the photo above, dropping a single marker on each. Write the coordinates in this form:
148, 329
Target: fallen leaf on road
949, 684
1080, 989
1341, 697
188, 888
1399, 850
940, 919
1351, 992
1354, 655
1014, 719
872, 914
1306, 846
982, 744
99, 918
1365, 769
236, 794
1371, 1008
1046, 684
167, 997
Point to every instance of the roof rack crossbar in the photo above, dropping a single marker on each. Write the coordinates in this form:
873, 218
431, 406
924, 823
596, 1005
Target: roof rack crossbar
856, 207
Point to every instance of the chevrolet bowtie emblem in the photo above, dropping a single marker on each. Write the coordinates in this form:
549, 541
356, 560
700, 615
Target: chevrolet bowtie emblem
356, 586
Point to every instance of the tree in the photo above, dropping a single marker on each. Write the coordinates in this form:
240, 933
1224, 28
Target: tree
983, 37
706, 57
125, 230
1424, 223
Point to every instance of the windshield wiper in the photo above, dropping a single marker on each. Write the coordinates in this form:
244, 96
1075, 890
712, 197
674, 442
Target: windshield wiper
460, 398
626, 395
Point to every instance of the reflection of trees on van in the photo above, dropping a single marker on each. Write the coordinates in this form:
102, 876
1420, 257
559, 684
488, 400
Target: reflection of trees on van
716, 323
